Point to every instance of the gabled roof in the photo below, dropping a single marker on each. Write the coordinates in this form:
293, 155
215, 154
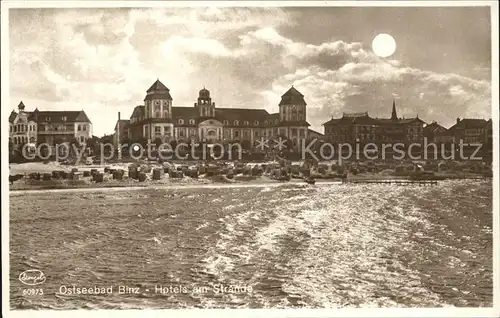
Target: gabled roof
182, 111
82, 117
433, 128
157, 86
292, 97
409, 120
335, 121
241, 115
158, 91
57, 116
468, 123
355, 118
292, 92
365, 119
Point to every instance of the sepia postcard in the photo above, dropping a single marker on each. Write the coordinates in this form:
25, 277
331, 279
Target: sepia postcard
258, 159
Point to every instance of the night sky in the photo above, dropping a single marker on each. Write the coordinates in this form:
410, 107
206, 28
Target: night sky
104, 60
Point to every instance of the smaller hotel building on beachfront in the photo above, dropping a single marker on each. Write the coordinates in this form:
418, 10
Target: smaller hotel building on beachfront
362, 128
204, 122
50, 127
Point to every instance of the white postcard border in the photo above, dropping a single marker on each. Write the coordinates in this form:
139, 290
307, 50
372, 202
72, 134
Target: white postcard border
362, 312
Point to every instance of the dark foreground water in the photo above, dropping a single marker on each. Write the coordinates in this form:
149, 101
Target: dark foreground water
290, 246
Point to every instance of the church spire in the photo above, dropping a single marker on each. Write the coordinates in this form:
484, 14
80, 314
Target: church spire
394, 115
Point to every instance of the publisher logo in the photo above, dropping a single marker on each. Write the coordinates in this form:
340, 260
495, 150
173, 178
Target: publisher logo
32, 277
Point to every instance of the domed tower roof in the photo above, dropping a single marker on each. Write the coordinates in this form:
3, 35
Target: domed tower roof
204, 92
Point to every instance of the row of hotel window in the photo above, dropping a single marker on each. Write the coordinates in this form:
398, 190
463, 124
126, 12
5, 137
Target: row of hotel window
18, 140
22, 128
352, 128
294, 114
348, 137
63, 128
474, 131
63, 118
29, 128
332, 130
236, 133
372, 137
225, 122
48, 118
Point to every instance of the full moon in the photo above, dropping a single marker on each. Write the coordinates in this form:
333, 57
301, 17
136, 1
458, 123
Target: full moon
384, 45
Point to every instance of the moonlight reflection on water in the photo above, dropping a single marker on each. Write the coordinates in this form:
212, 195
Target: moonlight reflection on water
295, 246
